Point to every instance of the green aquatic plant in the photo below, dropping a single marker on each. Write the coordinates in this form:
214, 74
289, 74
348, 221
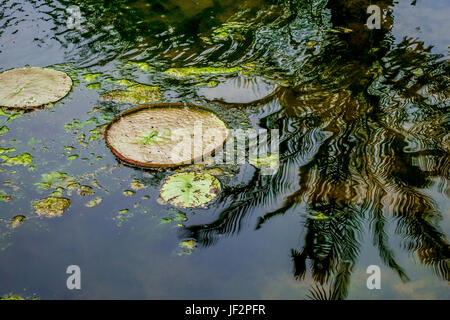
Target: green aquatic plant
137, 185
51, 206
195, 71
94, 202
91, 77
178, 216
11, 296
136, 94
85, 191
24, 159
55, 179
3, 130
17, 221
269, 161
155, 137
32, 87
190, 189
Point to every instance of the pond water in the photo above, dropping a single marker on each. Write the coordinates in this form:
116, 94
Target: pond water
363, 175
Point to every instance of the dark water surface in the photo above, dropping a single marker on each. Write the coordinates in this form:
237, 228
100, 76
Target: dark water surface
364, 151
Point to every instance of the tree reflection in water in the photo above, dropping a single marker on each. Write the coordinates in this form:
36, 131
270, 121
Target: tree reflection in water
366, 125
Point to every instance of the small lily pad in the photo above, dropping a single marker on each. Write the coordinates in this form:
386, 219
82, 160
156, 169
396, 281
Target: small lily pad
190, 189
26, 88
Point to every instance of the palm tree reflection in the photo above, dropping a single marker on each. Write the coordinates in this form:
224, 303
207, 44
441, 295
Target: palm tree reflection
367, 135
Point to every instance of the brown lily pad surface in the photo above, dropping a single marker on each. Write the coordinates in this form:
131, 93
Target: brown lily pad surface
165, 134
27, 88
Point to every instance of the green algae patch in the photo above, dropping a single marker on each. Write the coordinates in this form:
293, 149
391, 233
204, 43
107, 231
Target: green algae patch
165, 134
94, 202
85, 191
55, 179
11, 297
26, 88
24, 159
94, 86
190, 189
144, 66
51, 206
17, 221
269, 161
136, 94
3, 130
91, 77
137, 185
194, 71
128, 193
177, 217
6, 150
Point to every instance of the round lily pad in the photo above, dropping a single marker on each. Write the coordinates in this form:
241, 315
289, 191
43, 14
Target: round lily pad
165, 134
26, 88
190, 189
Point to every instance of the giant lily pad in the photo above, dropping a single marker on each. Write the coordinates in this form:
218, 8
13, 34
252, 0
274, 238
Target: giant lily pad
165, 134
27, 88
190, 189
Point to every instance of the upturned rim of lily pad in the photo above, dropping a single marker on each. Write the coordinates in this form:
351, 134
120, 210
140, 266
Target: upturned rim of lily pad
162, 105
63, 87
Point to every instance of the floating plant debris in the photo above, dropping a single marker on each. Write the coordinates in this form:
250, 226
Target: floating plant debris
51, 206
165, 134
17, 221
190, 189
136, 94
32, 87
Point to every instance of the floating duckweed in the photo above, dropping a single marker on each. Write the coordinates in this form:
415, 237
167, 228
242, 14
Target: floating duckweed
188, 244
125, 82
270, 161
190, 189
3, 130
72, 157
55, 179
24, 159
51, 206
194, 71
6, 150
179, 216
94, 86
85, 191
32, 87
97, 133
17, 221
137, 185
11, 297
94, 202
123, 211
128, 193
91, 77
73, 186
142, 65
136, 94
4, 197
58, 192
